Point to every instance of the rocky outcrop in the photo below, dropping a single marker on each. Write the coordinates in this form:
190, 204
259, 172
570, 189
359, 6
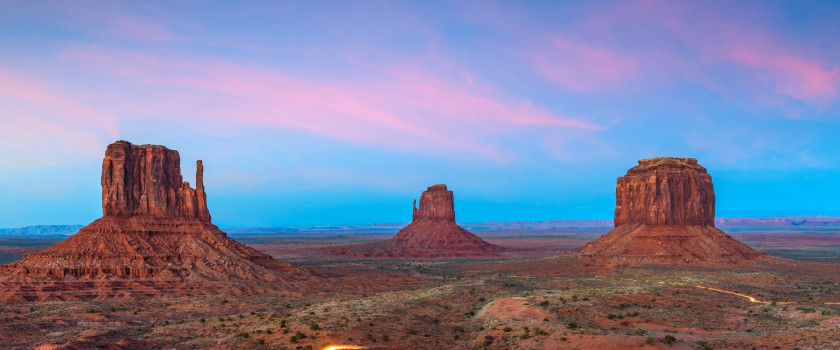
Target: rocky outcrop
436, 204
665, 191
146, 181
665, 214
154, 239
432, 233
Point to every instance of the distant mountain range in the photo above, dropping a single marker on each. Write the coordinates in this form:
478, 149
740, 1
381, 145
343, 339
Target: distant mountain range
778, 221
41, 230
390, 228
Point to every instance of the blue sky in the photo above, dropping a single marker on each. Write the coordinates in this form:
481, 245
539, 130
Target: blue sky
343, 112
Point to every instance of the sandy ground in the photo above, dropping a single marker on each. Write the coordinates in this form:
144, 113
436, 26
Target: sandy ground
540, 299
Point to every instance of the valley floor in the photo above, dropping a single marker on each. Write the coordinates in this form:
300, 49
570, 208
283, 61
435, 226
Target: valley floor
465, 305
534, 299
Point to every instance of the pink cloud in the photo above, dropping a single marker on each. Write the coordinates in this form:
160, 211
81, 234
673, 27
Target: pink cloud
790, 68
634, 45
137, 27
791, 74
406, 107
583, 67
41, 125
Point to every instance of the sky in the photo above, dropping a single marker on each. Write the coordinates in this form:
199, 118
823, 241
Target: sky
343, 112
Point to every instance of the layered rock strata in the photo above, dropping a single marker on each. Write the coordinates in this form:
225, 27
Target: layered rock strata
432, 233
146, 181
155, 238
664, 214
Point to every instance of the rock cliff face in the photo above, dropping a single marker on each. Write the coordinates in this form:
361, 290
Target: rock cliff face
665, 191
436, 204
432, 233
146, 181
154, 239
665, 214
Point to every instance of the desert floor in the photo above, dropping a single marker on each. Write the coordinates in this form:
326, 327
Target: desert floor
533, 298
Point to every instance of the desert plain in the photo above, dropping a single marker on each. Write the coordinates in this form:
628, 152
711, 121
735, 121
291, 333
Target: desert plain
536, 296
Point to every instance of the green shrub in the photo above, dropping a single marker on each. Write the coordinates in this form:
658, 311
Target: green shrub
488, 339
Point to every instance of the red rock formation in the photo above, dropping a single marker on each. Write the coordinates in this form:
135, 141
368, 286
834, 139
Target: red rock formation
432, 233
146, 181
436, 204
155, 238
664, 214
665, 191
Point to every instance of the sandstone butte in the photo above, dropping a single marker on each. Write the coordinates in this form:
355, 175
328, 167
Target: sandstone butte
432, 233
155, 238
665, 214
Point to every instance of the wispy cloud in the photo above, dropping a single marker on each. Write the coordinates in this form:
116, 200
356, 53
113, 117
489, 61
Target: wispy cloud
404, 106
42, 125
632, 46
583, 67
809, 80
136, 27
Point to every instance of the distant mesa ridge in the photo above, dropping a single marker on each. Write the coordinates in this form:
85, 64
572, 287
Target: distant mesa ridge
665, 214
155, 238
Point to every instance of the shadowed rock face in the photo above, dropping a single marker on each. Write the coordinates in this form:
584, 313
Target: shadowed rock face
146, 181
155, 239
665, 214
665, 191
432, 233
436, 204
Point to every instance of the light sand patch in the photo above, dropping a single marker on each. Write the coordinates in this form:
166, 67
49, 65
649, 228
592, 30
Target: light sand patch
516, 309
